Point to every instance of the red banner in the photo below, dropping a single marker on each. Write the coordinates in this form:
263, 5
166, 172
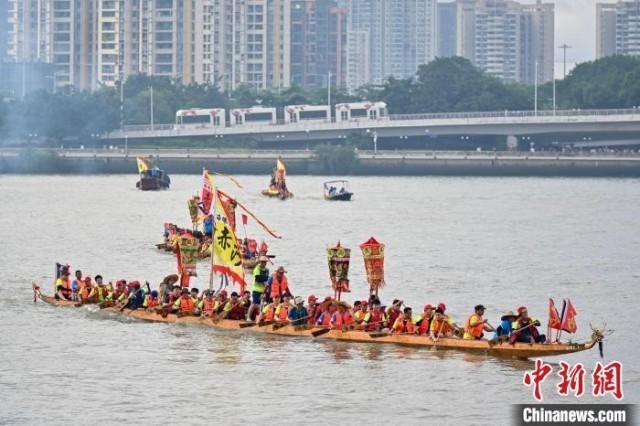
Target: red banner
569, 321
554, 316
373, 253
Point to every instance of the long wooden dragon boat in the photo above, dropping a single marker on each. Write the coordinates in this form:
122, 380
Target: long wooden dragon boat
517, 350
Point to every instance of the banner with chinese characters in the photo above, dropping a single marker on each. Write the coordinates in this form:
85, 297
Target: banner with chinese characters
192, 203
226, 253
187, 255
339, 258
373, 253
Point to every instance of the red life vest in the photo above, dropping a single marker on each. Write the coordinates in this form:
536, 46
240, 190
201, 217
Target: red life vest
423, 328
208, 304
375, 321
326, 319
271, 313
152, 303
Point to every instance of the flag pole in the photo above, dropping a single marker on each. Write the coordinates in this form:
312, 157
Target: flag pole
213, 233
564, 308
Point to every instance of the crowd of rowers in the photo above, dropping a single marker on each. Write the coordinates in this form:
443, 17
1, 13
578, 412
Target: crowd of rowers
271, 302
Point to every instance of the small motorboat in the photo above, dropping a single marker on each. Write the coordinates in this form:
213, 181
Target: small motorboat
152, 178
337, 190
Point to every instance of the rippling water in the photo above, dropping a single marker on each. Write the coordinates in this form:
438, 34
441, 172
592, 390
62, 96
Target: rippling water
500, 242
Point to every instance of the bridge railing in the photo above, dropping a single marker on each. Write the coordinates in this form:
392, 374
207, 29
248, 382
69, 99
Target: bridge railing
516, 114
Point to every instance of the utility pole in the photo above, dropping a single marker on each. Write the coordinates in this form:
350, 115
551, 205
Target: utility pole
151, 105
329, 91
535, 90
564, 47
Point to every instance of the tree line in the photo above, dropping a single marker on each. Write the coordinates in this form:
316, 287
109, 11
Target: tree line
443, 85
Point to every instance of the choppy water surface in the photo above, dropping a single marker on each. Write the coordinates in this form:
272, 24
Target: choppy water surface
500, 242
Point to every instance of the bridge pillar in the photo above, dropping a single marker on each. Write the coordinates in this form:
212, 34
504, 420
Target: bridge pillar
512, 143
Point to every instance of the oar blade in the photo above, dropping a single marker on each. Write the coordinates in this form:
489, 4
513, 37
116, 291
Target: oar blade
320, 332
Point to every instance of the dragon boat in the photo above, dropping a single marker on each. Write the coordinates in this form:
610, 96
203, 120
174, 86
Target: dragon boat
517, 350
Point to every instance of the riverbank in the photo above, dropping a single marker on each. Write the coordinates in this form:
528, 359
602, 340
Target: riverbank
392, 163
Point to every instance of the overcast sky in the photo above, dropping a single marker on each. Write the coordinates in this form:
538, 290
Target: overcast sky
575, 22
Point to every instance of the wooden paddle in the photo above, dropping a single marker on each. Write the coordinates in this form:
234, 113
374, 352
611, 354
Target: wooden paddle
377, 334
320, 332
248, 324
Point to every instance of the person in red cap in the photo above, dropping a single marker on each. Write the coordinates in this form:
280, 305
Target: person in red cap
442, 325
525, 329
424, 321
313, 310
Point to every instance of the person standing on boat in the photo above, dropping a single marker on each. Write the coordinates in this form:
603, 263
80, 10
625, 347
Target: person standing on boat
298, 315
278, 284
260, 278
404, 324
525, 329
75, 286
475, 326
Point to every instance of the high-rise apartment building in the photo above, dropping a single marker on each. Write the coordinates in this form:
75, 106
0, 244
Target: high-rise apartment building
446, 29
618, 28
401, 37
318, 43
4, 29
507, 39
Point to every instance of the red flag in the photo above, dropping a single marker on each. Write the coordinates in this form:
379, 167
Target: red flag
554, 317
245, 219
569, 321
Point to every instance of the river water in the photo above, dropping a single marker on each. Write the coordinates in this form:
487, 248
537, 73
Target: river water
503, 242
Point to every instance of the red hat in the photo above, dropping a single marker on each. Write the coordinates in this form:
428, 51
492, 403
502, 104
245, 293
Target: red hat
364, 302
328, 299
428, 306
521, 309
442, 306
312, 298
119, 283
223, 293
135, 283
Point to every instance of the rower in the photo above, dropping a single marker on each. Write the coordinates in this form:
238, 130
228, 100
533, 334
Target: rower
98, 293
85, 289
341, 318
233, 309
442, 325
205, 306
278, 283
328, 308
524, 329
358, 312
185, 304
424, 321
151, 301
475, 326
268, 313
282, 310
375, 320
220, 303
313, 310
63, 286
394, 311
75, 286
260, 278
505, 328
404, 324
298, 315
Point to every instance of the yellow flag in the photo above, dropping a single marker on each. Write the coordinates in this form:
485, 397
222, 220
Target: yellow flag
280, 167
226, 252
142, 164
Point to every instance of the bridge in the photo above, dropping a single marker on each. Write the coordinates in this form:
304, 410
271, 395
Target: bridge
620, 124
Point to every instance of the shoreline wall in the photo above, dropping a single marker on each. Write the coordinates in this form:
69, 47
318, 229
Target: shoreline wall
385, 165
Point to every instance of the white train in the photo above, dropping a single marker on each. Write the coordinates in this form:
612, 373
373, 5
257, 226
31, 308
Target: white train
201, 117
260, 116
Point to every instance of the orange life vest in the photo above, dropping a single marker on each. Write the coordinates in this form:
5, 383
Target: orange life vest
440, 326
283, 313
278, 288
187, 305
271, 313
403, 326
476, 330
339, 321
208, 304
326, 319
152, 303
84, 292
424, 326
